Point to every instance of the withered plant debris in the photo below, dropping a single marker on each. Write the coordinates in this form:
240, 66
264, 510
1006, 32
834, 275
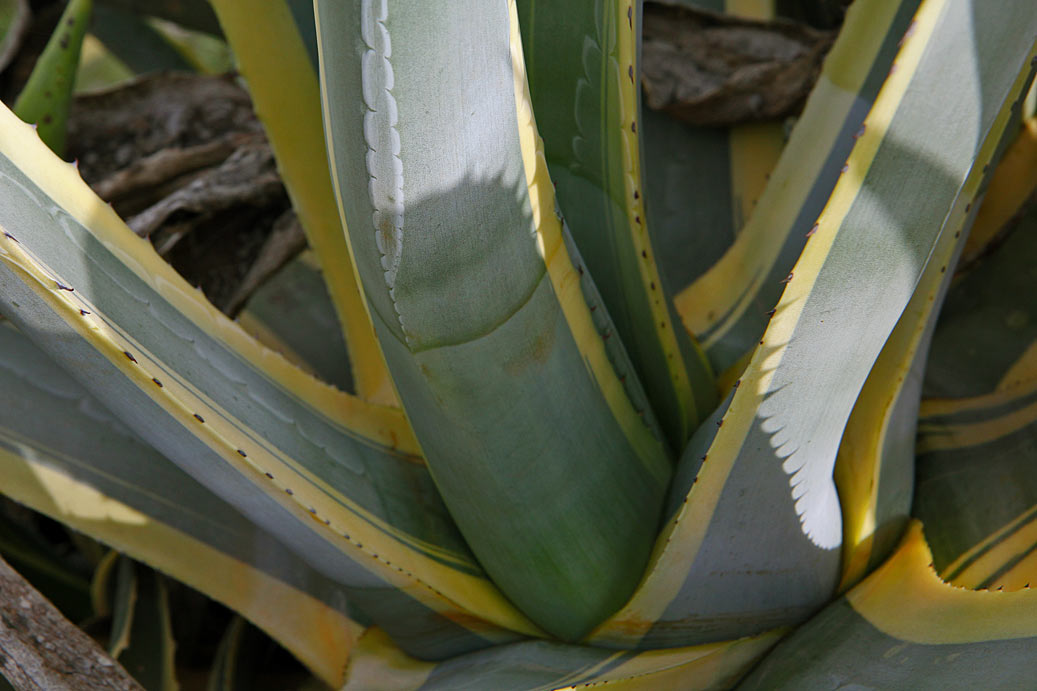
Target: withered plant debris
711, 69
285, 241
41, 649
184, 160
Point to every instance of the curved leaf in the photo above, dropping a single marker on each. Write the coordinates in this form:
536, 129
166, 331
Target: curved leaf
976, 453
763, 512
530, 417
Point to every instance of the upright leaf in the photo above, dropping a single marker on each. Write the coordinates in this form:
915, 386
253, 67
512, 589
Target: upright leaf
584, 76
529, 414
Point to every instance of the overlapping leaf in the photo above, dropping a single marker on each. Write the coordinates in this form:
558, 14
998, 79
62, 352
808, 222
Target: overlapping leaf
584, 76
875, 468
905, 628
327, 474
753, 544
529, 414
91, 473
544, 665
976, 450
703, 184
285, 93
727, 307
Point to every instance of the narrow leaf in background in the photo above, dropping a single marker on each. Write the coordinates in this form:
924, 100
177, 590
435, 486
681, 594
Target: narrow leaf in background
46, 97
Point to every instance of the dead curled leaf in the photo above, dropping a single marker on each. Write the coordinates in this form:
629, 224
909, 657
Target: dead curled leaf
711, 69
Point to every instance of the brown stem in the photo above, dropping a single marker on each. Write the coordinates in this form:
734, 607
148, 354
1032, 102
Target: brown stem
41, 649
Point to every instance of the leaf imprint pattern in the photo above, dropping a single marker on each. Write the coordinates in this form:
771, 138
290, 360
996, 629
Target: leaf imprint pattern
384, 167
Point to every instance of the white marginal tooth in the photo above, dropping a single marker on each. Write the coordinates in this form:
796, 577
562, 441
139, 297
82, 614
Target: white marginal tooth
368, 87
384, 166
390, 77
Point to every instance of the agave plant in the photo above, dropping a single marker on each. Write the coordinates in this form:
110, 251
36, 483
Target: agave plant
588, 442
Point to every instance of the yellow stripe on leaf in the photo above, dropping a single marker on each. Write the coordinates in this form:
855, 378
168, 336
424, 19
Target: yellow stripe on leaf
61, 183
1014, 182
984, 566
286, 95
560, 269
714, 302
907, 600
402, 560
754, 151
318, 635
975, 433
